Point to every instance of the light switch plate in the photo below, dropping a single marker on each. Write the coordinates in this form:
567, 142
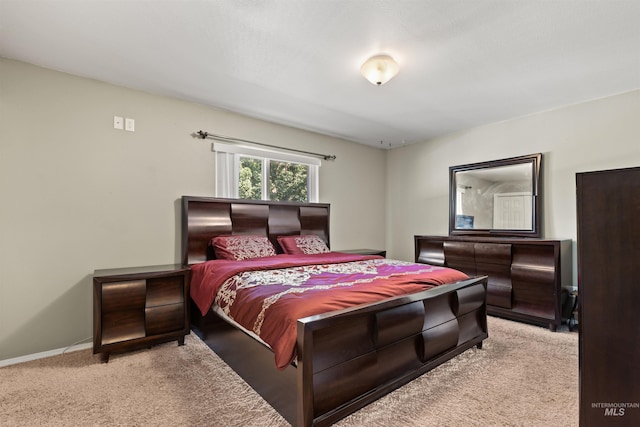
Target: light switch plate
130, 125
118, 122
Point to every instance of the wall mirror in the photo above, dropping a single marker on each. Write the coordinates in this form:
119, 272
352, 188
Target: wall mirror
499, 197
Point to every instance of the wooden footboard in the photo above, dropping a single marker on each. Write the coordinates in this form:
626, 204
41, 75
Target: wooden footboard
349, 358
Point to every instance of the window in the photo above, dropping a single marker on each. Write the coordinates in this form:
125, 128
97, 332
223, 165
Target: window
260, 174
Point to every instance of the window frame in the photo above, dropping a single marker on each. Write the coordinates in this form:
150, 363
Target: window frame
227, 162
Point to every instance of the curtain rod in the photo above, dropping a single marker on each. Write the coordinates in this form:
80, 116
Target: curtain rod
204, 135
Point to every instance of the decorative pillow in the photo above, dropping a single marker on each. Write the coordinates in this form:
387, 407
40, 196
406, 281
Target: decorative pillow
242, 247
307, 244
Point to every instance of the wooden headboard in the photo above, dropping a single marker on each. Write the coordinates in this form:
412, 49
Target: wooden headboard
206, 217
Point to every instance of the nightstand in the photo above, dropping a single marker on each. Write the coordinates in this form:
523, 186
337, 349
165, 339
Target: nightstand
138, 307
380, 252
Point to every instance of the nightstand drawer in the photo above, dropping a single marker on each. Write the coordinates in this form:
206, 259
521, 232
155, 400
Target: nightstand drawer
165, 290
122, 326
123, 296
163, 319
122, 311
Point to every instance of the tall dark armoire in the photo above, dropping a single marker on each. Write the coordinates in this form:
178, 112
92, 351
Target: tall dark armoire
609, 293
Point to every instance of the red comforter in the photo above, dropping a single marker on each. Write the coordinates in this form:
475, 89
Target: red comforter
268, 295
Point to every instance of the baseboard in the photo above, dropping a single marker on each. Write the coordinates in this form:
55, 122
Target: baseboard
42, 355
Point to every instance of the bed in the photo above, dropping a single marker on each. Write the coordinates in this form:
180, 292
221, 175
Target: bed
342, 359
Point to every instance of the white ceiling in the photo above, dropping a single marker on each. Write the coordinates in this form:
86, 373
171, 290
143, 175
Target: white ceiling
463, 63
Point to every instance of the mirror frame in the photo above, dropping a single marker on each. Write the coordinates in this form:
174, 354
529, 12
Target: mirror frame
535, 160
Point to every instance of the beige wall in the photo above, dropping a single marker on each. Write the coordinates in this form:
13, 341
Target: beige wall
78, 195
601, 134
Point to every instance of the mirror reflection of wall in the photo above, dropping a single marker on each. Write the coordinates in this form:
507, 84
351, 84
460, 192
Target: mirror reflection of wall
478, 190
474, 200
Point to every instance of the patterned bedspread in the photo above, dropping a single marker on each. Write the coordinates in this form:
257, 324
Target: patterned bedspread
268, 295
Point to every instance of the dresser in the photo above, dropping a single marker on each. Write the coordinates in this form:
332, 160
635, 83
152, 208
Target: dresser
526, 275
608, 209
138, 307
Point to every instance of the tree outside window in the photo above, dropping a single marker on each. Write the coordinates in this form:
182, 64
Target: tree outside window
250, 179
262, 178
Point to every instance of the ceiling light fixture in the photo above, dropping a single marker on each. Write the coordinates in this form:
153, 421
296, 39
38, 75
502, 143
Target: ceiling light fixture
379, 69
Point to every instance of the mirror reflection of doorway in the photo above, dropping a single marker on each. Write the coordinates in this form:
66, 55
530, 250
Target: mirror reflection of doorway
512, 211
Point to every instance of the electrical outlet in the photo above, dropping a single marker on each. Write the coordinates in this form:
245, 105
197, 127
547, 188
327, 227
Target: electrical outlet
118, 123
130, 125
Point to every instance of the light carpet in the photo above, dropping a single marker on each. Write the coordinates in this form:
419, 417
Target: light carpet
523, 376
